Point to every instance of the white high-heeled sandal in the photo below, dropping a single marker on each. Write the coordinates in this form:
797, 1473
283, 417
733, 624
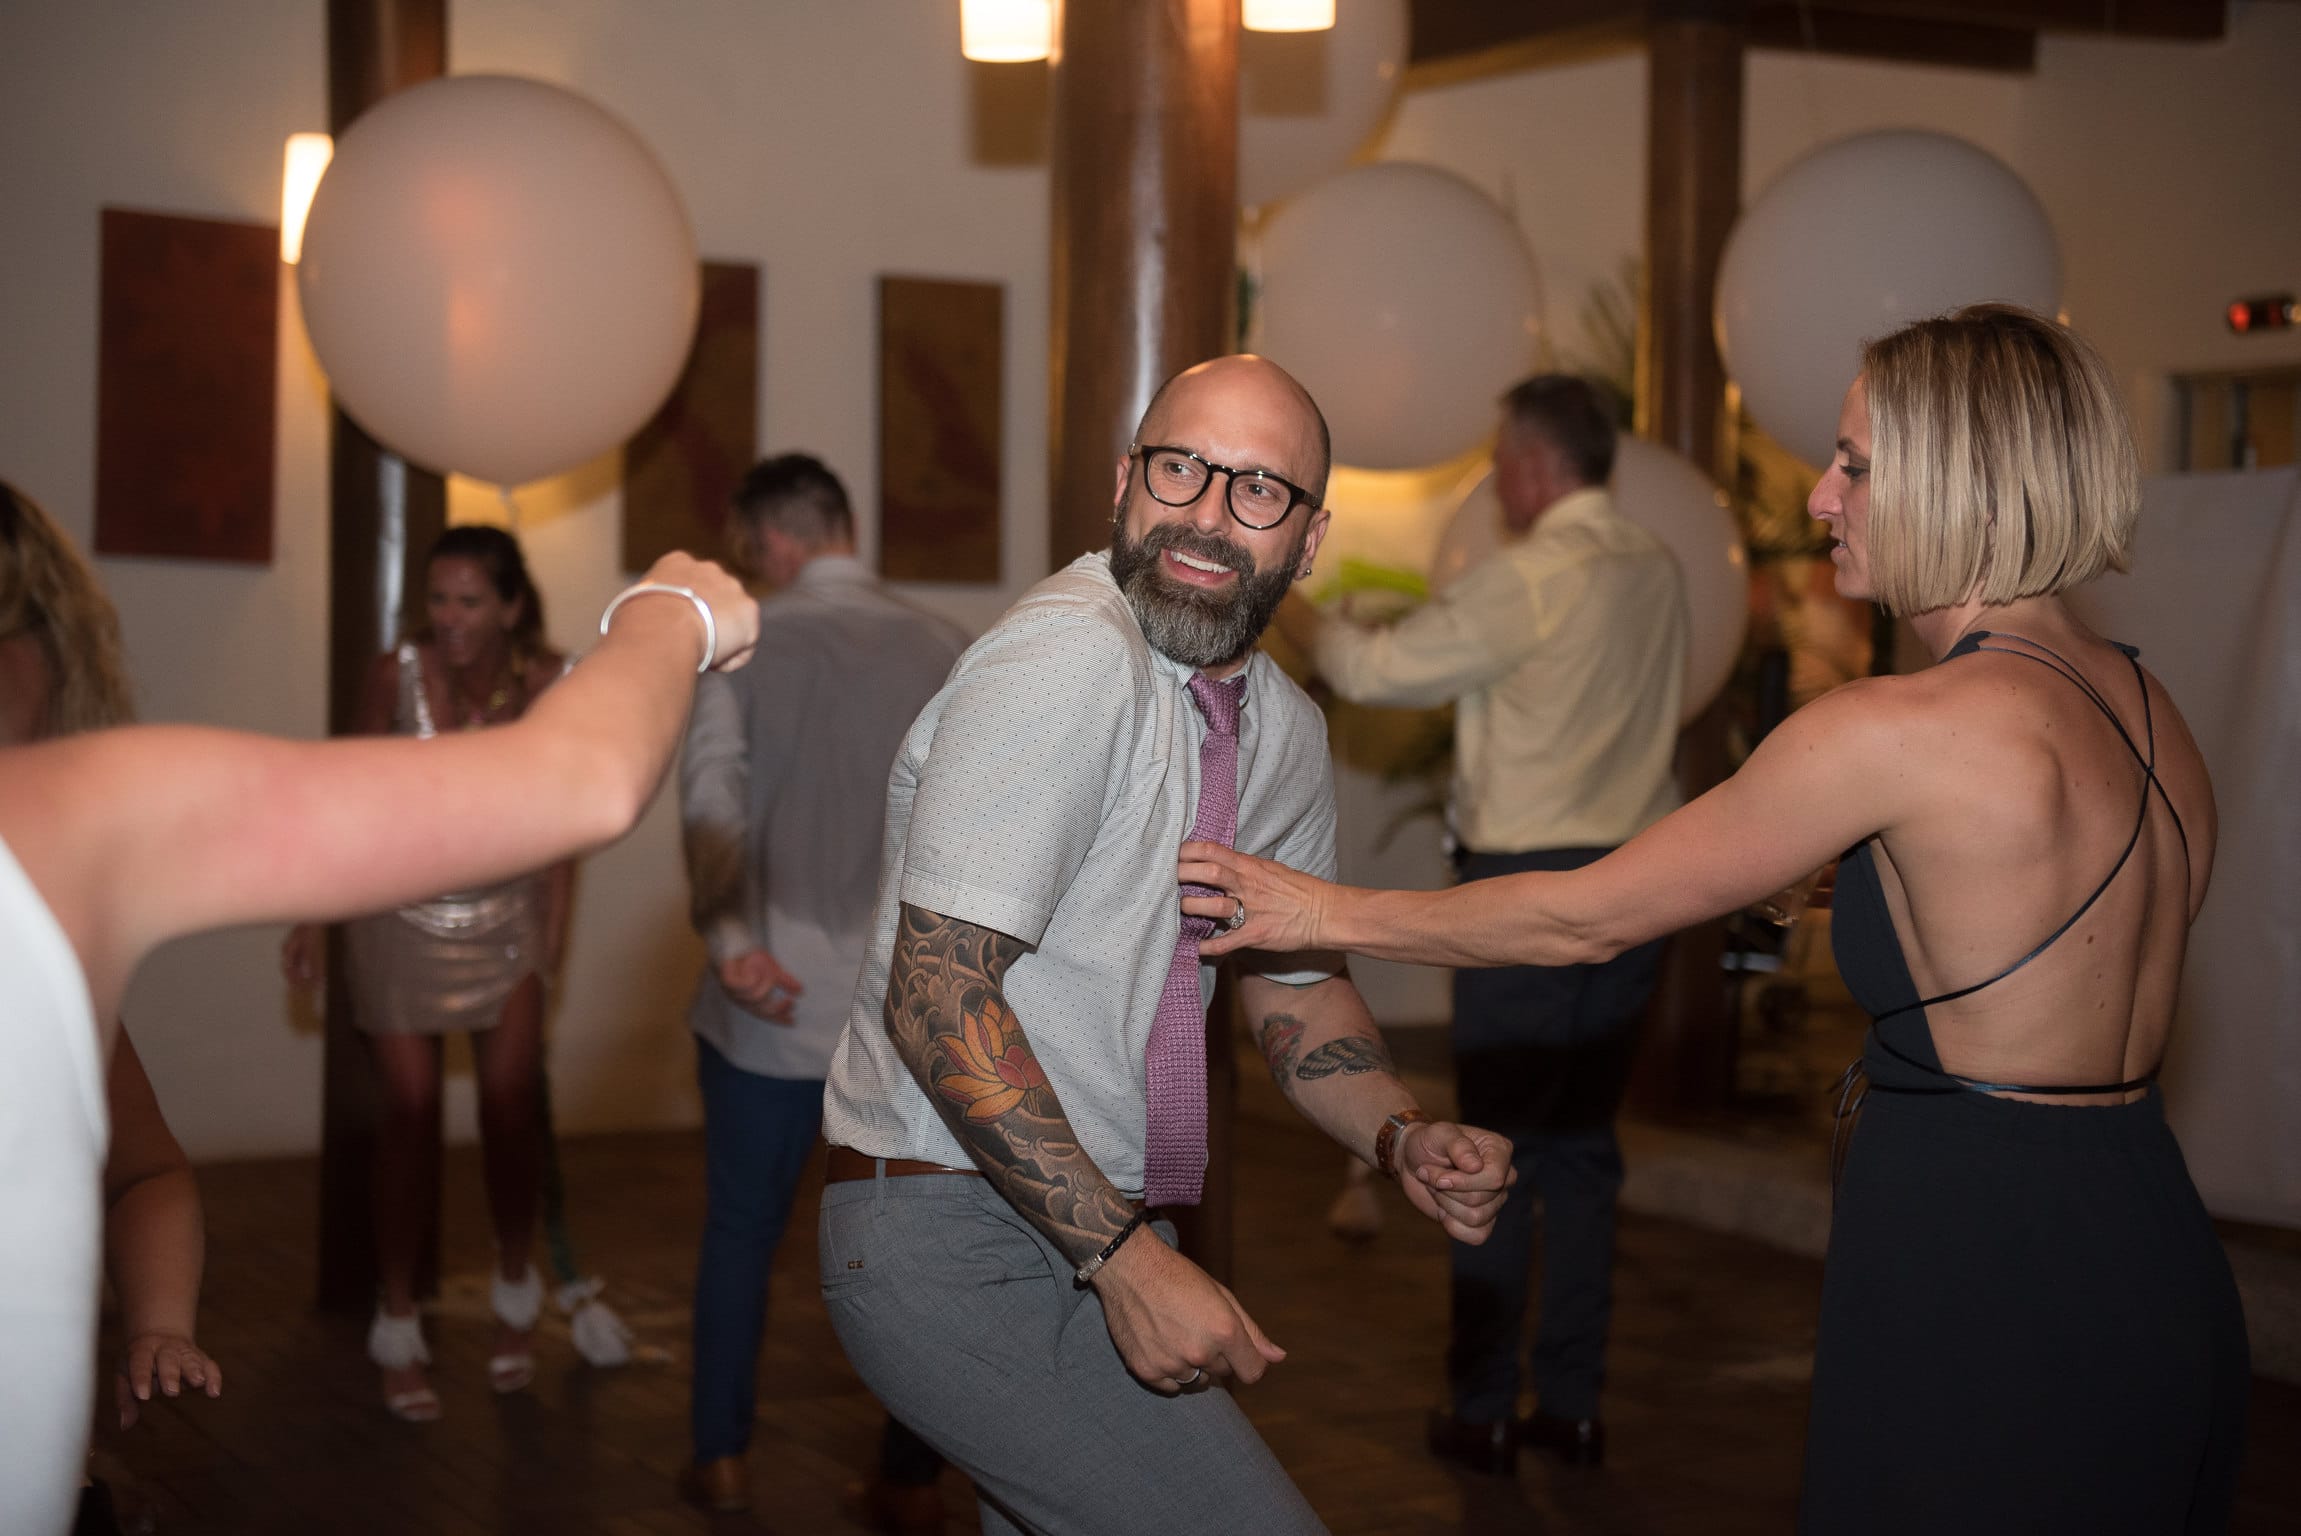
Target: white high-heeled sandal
516, 1304
396, 1344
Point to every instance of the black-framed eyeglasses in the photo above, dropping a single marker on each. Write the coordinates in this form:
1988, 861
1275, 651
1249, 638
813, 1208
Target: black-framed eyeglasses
1177, 477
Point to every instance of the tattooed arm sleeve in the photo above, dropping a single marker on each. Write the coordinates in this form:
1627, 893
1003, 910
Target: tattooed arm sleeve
948, 1016
1326, 1056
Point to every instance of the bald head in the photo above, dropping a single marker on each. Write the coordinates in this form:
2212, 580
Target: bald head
1261, 400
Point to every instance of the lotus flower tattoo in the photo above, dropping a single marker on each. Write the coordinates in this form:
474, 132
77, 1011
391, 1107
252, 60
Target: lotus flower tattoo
991, 1068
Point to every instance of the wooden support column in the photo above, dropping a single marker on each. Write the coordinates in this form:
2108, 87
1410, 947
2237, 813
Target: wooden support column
1145, 219
383, 514
1693, 193
1144, 174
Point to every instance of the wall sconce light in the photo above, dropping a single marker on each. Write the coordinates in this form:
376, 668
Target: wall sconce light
1288, 15
307, 160
1006, 31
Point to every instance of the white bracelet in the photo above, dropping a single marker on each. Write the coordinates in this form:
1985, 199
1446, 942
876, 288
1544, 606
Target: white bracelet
710, 625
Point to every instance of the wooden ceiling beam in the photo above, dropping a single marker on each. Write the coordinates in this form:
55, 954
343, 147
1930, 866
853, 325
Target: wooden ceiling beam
1854, 34
2192, 20
1454, 37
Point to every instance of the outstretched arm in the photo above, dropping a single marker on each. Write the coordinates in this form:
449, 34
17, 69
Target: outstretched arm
1329, 1060
1833, 774
948, 1015
137, 836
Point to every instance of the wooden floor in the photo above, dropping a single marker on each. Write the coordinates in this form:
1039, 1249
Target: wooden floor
1710, 1359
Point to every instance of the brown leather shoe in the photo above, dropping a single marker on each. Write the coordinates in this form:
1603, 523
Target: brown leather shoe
897, 1509
722, 1484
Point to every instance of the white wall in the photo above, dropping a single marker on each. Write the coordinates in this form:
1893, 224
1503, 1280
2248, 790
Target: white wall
829, 142
2168, 170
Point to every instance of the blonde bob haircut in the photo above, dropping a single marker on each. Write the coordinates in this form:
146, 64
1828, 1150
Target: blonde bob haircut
2002, 465
47, 591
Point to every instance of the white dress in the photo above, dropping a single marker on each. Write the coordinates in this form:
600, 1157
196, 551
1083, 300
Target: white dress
54, 1129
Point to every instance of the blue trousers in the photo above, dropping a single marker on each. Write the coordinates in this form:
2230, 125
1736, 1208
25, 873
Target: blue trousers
1543, 1054
757, 1134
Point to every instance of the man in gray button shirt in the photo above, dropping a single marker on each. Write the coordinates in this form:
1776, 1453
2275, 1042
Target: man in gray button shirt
988, 1104
782, 793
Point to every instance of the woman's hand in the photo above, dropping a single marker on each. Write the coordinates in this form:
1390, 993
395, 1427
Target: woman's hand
1285, 909
304, 953
167, 1361
734, 610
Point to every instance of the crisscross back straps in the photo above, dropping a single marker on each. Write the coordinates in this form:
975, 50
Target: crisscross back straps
2149, 782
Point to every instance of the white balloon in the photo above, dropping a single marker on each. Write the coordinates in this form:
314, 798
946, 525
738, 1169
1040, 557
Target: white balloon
1671, 499
1855, 239
1403, 298
498, 277
1308, 100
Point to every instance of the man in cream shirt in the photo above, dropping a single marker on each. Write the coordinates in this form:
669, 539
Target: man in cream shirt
1564, 654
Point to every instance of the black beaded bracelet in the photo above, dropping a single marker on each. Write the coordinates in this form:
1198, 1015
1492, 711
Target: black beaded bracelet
1087, 1270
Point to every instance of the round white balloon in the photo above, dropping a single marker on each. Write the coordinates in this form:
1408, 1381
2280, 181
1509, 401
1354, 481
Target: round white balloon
1855, 239
1671, 499
1308, 100
498, 277
1403, 298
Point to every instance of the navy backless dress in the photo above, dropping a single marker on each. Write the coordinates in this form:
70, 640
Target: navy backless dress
2028, 1323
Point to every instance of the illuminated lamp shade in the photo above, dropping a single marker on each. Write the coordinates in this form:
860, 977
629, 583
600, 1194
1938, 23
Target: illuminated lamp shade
1006, 31
1288, 15
307, 161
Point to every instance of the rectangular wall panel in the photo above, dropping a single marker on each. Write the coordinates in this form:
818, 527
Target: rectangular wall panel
941, 361
187, 340
682, 467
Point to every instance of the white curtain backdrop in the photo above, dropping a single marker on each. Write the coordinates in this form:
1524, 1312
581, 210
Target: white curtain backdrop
2214, 603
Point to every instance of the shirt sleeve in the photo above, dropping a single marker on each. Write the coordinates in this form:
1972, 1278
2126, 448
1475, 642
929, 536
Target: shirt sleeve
714, 781
1033, 727
1474, 633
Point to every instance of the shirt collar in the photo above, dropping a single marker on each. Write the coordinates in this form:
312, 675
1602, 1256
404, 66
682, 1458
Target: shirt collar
1587, 505
826, 569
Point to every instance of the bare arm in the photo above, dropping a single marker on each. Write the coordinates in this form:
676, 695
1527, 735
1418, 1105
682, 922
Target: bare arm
1327, 1057
138, 836
948, 1016
1834, 773
155, 1244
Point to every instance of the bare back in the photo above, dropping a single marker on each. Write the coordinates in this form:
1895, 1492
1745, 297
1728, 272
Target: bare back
2058, 847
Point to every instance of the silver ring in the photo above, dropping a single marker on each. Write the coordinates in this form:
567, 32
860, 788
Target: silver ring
1237, 918
1197, 1374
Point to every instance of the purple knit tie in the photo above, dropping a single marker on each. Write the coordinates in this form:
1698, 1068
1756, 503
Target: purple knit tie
1174, 1154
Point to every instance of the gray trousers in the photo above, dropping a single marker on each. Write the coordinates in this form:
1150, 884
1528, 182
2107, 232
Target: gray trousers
966, 1323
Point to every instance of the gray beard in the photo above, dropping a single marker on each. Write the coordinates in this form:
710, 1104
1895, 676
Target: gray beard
1195, 627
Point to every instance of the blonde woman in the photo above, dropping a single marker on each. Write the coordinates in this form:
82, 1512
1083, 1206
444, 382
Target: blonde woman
113, 842
2027, 1320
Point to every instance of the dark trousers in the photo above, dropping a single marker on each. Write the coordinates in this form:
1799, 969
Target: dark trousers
758, 1133
1542, 1054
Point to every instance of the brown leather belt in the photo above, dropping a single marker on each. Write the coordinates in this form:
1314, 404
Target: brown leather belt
845, 1163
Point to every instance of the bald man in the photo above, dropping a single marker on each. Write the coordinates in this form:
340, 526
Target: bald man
1021, 1084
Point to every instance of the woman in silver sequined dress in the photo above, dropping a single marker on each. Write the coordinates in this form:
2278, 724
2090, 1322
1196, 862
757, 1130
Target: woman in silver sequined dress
469, 961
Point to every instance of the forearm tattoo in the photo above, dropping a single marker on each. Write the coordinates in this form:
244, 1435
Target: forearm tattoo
1281, 1039
1280, 1035
1349, 1056
948, 1016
